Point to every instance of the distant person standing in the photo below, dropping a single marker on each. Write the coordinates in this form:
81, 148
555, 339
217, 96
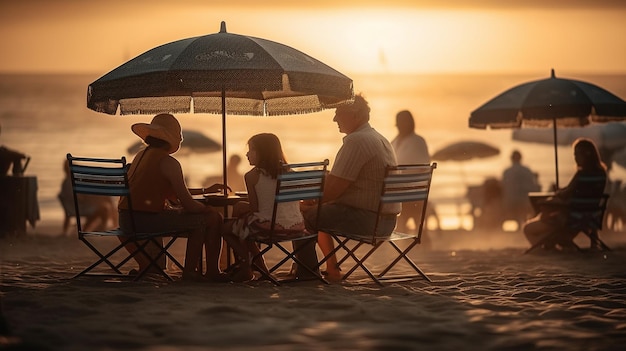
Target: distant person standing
410, 148
517, 181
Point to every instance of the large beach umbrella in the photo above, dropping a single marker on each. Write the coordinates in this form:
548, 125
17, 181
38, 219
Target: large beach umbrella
220, 73
551, 102
465, 151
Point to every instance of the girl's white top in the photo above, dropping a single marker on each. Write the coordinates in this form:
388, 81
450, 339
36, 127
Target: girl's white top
288, 214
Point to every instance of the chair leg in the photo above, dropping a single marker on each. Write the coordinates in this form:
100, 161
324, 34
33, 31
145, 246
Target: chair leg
402, 255
360, 262
541, 242
289, 256
103, 258
596, 242
154, 260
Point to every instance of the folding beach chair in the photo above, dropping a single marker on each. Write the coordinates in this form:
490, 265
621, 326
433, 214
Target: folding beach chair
404, 183
304, 181
584, 215
108, 177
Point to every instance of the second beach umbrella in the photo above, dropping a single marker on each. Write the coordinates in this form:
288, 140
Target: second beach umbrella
220, 73
551, 102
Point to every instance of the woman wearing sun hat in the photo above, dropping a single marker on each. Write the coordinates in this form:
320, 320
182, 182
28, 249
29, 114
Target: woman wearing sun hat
162, 201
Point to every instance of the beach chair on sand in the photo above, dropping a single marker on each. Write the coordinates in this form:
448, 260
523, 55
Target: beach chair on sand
304, 181
584, 215
404, 183
108, 177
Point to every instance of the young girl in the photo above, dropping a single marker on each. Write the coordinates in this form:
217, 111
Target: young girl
266, 155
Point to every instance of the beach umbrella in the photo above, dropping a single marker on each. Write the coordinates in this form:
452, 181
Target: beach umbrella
465, 151
220, 73
552, 102
193, 142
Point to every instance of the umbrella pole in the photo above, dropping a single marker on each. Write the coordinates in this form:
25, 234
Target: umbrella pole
556, 154
224, 175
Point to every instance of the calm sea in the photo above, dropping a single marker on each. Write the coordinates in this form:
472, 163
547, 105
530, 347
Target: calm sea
45, 116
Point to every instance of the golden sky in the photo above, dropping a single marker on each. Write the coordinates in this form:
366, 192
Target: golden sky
361, 36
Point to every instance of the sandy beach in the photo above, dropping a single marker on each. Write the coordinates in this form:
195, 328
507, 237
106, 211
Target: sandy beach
485, 295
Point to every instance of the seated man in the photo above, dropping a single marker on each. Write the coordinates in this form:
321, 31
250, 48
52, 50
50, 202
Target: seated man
588, 182
352, 189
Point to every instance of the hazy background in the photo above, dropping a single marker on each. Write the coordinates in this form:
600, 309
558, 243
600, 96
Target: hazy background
439, 59
516, 36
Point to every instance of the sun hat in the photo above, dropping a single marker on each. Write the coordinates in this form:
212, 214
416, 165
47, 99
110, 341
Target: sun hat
163, 126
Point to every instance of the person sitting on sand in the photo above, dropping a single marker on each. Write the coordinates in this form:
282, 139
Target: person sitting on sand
552, 216
266, 155
162, 201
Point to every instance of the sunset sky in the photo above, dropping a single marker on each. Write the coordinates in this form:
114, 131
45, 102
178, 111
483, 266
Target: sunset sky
352, 36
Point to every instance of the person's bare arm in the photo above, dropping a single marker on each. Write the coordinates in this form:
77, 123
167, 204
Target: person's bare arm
173, 172
252, 178
334, 187
215, 188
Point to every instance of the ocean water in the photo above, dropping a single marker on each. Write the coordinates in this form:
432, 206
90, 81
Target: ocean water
45, 116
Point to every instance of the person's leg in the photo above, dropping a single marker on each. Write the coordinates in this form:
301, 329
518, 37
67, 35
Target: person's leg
240, 209
213, 245
254, 251
305, 252
345, 219
126, 224
193, 255
239, 247
535, 230
327, 245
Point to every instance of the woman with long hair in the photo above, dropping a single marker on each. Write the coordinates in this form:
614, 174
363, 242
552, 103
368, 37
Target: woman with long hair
589, 181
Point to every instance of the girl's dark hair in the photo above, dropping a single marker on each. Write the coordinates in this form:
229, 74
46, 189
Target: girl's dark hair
588, 157
270, 157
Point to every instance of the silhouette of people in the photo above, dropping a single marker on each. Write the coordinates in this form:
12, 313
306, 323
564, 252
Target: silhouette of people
490, 214
517, 181
10, 159
589, 181
410, 148
162, 201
